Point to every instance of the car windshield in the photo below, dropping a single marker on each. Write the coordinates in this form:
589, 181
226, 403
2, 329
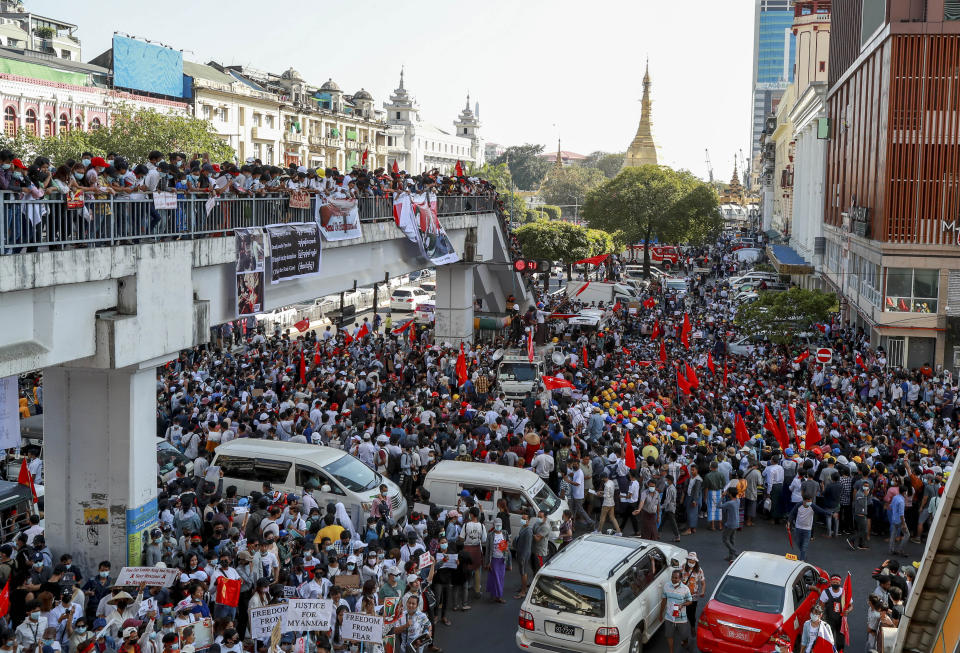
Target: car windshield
517, 372
568, 596
546, 500
168, 457
352, 474
750, 595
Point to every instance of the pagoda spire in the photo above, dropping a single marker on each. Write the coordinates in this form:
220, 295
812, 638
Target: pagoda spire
559, 161
643, 150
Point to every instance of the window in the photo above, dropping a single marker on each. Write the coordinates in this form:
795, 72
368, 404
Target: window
222, 114
95, 124
10, 121
750, 595
517, 504
951, 9
269, 160
307, 474
64, 122
78, 123
48, 125
398, 115
205, 111
269, 120
257, 119
240, 116
464, 130
479, 492
568, 596
254, 469
823, 66
911, 290
31, 120
352, 474
256, 150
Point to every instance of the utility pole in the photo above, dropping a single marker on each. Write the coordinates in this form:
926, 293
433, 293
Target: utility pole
709, 166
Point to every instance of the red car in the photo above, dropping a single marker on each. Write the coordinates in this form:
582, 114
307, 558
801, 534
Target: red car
760, 597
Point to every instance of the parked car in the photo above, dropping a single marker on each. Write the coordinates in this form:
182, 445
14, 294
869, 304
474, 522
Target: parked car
759, 598
429, 286
407, 298
598, 591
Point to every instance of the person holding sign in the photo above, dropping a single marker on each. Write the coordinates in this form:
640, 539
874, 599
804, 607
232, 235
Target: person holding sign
496, 560
413, 627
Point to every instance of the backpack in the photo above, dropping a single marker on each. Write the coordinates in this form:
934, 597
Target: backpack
393, 464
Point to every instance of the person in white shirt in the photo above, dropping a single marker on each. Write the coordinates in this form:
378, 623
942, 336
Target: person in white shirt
542, 464
609, 504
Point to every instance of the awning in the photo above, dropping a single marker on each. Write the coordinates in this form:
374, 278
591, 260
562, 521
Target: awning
786, 260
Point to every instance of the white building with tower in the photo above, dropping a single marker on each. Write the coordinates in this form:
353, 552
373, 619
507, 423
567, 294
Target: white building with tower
417, 145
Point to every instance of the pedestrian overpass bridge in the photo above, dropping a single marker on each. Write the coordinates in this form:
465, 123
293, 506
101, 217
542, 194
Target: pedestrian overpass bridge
99, 320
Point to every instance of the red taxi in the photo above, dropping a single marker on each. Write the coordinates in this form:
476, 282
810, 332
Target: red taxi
760, 597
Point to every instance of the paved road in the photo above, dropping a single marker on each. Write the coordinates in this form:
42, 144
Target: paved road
491, 627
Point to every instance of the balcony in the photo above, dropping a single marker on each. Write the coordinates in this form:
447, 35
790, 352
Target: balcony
317, 141
293, 137
334, 142
353, 145
260, 133
381, 149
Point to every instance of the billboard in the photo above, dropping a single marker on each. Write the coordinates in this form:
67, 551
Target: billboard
147, 67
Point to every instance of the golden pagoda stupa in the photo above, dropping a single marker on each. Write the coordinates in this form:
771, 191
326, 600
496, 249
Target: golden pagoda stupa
642, 150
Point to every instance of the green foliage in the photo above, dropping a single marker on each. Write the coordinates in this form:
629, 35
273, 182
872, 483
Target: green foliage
569, 186
526, 168
131, 134
606, 162
554, 240
44, 32
764, 267
600, 242
782, 315
498, 175
652, 201
514, 206
549, 211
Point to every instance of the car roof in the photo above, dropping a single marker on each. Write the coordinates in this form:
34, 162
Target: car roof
258, 447
597, 557
482, 473
766, 567
407, 288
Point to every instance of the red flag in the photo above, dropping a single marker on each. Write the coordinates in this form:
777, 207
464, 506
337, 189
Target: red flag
710, 365
685, 331
530, 345
26, 478
793, 419
724, 372
396, 168
740, 427
5, 599
347, 338
649, 302
583, 353
625, 351
802, 357
812, 436
789, 535
593, 260
628, 456
617, 306
302, 325
403, 327
682, 382
860, 362
458, 169
692, 377
316, 354
363, 331
663, 351
771, 425
657, 332
847, 601
363, 159
582, 288
413, 333
461, 367
303, 375
782, 427
553, 383
823, 645
228, 591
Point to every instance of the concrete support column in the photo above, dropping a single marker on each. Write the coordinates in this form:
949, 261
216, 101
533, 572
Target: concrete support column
454, 304
100, 462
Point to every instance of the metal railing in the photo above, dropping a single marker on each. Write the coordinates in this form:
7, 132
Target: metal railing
32, 224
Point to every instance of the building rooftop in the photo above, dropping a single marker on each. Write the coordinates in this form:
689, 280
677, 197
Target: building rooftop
566, 155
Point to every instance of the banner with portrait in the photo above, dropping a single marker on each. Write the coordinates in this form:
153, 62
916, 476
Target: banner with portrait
416, 215
249, 270
339, 219
294, 250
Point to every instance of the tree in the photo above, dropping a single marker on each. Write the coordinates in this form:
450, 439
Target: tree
781, 315
498, 175
131, 134
606, 162
569, 186
655, 202
514, 206
549, 211
554, 240
526, 167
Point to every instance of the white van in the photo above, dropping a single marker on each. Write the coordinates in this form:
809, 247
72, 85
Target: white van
600, 592
521, 488
289, 466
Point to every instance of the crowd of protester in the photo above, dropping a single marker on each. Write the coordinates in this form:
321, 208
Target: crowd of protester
630, 446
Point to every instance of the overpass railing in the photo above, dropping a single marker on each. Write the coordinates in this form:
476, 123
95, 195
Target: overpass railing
29, 225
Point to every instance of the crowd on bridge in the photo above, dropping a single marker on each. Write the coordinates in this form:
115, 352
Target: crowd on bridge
107, 199
649, 426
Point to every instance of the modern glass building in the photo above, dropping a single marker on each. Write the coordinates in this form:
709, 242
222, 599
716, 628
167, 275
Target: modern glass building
773, 59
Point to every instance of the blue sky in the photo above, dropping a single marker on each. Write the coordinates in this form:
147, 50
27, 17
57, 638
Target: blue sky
537, 68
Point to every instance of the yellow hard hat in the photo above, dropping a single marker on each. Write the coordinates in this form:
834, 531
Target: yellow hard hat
650, 427
321, 172
727, 431
455, 397
924, 451
901, 453
681, 438
554, 339
596, 398
613, 412
683, 427
634, 420
606, 404
661, 418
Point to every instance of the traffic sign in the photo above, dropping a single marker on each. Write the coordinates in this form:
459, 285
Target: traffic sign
824, 355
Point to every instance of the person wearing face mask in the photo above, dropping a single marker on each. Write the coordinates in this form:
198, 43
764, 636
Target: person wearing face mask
676, 597
649, 511
230, 641
815, 629
496, 560
227, 572
833, 599
30, 632
126, 607
800, 521
862, 500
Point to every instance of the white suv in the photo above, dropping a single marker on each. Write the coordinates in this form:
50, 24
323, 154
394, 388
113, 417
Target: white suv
599, 591
407, 298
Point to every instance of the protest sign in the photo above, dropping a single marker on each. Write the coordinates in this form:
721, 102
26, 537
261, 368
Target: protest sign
294, 250
339, 219
361, 627
346, 580
308, 614
262, 620
202, 633
134, 576
425, 560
